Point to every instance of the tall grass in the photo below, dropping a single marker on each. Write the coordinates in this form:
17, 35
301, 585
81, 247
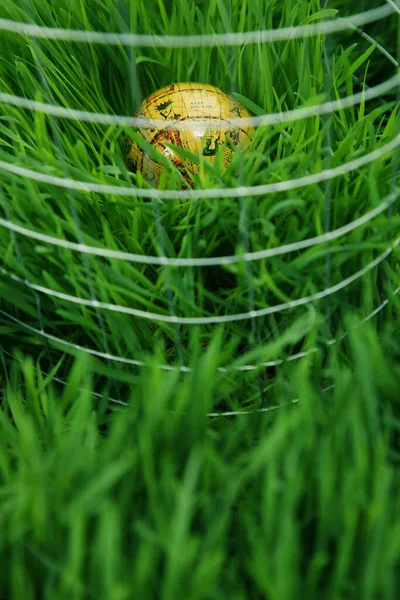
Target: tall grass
271, 77
157, 501
118, 479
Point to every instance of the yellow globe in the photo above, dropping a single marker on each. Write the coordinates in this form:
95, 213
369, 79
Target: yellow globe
206, 109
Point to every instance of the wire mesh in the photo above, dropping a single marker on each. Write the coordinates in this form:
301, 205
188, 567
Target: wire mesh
120, 274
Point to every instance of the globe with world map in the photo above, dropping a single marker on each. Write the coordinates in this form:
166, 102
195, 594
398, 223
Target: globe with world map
196, 118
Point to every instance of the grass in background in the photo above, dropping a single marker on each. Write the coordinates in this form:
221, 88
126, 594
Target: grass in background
153, 499
113, 79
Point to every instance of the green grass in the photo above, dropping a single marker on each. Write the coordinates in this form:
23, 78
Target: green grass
157, 501
154, 499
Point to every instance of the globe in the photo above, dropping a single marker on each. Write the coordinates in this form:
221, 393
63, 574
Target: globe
206, 110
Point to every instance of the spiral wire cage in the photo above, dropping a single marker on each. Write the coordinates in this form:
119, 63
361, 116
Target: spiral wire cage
95, 261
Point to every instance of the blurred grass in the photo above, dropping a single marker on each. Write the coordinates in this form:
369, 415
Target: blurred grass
157, 501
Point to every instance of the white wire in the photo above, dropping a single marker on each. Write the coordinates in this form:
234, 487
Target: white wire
196, 41
231, 413
92, 352
296, 114
226, 39
238, 413
261, 120
265, 119
217, 260
140, 363
183, 368
214, 319
127, 404
379, 47
244, 367
257, 190
394, 6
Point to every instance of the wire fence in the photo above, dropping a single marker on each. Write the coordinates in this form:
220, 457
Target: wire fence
237, 194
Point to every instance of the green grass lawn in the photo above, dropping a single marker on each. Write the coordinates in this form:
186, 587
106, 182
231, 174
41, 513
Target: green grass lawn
200, 387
